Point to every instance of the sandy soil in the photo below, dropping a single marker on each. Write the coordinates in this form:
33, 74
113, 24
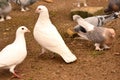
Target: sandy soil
90, 65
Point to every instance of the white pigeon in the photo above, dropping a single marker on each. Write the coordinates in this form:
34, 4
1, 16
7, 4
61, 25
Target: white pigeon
13, 54
46, 34
5, 8
101, 36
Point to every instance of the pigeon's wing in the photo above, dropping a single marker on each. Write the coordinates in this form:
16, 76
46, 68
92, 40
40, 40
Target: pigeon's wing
92, 20
51, 39
83, 23
7, 56
4, 57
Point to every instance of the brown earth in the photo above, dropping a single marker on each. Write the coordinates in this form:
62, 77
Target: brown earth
90, 65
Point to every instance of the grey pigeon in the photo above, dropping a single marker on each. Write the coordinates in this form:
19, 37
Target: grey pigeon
46, 34
14, 53
24, 3
5, 8
101, 36
100, 20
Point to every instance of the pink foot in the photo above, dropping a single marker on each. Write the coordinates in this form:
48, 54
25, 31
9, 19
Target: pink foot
16, 76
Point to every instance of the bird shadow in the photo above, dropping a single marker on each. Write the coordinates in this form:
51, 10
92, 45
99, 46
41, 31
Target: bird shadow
4, 73
50, 56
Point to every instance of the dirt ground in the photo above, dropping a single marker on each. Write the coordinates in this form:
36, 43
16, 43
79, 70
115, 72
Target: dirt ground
90, 65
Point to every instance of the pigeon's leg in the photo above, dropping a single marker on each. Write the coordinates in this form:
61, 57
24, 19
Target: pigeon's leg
53, 56
42, 51
22, 9
106, 47
8, 17
97, 47
2, 18
26, 8
85, 4
12, 71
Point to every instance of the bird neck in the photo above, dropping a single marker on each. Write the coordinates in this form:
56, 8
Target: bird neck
20, 39
44, 17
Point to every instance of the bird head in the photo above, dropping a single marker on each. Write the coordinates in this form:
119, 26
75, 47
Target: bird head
41, 8
22, 29
110, 35
75, 17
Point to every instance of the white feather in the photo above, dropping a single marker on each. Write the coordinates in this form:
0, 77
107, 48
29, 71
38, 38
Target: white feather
13, 54
48, 36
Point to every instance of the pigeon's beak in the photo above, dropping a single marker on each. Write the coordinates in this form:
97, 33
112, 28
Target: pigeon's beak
28, 31
36, 11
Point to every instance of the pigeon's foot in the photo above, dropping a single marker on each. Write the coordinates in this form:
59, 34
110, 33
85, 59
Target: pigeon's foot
2, 19
15, 76
106, 47
27, 9
43, 50
41, 54
23, 10
8, 18
85, 4
53, 56
13, 72
98, 49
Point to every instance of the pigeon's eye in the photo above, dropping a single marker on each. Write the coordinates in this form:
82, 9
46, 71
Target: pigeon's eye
22, 28
39, 8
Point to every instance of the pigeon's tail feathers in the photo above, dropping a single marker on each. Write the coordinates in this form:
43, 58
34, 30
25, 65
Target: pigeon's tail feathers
66, 54
68, 57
